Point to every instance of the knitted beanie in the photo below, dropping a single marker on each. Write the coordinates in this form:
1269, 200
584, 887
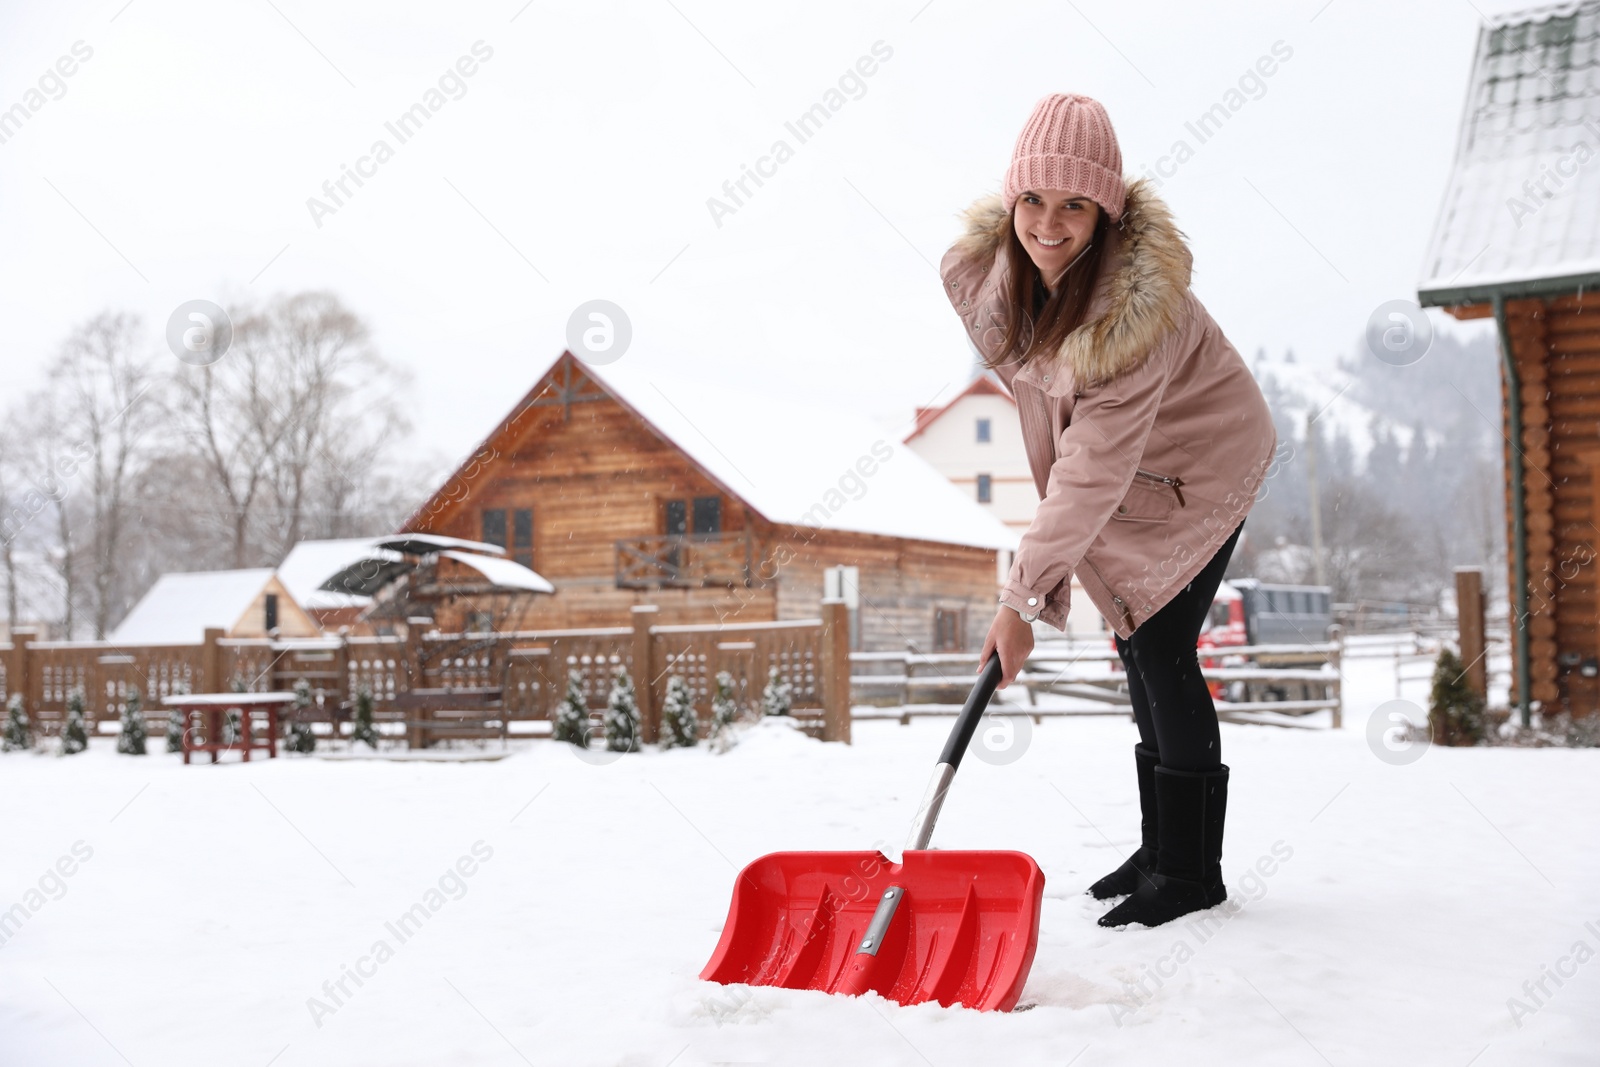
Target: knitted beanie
1068, 143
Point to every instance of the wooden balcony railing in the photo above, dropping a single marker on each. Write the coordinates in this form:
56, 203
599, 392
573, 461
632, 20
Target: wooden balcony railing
686, 561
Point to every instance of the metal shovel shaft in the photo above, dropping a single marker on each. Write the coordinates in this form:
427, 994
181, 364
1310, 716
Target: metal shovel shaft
960, 738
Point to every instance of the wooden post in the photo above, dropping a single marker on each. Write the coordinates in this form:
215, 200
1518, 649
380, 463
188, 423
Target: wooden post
1469, 624
17, 679
835, 642
1336, 660
644, 615
414, 673
211, 680
342, 693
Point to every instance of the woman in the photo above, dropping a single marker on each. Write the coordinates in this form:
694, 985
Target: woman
1147, 438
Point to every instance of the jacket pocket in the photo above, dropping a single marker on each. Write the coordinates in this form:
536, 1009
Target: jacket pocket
1122, 605
1172, 481
1145, 501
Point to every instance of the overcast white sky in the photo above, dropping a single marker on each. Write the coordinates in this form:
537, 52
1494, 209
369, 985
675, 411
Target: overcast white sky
178, 160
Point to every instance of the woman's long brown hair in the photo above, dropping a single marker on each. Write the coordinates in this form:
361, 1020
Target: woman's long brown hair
1063, 310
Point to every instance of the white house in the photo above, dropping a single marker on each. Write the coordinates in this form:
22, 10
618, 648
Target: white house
975, 440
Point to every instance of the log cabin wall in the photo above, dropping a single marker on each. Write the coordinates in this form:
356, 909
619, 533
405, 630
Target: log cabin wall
904, 586
1556, 351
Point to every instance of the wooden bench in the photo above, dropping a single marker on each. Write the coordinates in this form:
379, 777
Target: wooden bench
430, 715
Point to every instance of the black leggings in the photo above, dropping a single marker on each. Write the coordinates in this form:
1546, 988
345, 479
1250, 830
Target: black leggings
1171, 703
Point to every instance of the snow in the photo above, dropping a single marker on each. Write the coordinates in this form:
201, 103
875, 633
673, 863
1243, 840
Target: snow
829, 468
570, 904
1523, 200
180, 606
1539, 13
505, 573
310, 563
420, 544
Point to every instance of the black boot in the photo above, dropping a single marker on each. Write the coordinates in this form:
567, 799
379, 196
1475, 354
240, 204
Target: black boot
1188, 872
1137, 867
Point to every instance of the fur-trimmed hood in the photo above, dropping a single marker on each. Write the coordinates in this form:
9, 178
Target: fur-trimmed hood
1139, 296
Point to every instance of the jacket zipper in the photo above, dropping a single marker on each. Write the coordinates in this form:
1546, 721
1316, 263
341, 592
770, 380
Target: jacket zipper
1115, 599
1173, 481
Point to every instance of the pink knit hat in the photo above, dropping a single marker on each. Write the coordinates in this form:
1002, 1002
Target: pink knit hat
1068, 143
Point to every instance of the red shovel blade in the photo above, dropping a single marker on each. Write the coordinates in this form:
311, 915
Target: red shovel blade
953, 927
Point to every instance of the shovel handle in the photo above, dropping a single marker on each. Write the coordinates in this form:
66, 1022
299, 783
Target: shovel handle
971, 712
954, 749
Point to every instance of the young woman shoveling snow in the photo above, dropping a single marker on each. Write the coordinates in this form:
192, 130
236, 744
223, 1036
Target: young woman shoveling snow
1147, 439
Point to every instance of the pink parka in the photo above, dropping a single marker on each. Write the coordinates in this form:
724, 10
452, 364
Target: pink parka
1147, 436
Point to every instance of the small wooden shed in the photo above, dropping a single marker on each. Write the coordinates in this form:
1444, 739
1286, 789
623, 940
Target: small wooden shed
1518, 239
181, 606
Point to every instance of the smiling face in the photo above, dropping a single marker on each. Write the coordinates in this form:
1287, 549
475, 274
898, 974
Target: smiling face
1054, 227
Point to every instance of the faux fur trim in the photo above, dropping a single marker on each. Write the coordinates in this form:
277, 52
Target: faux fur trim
1143, 284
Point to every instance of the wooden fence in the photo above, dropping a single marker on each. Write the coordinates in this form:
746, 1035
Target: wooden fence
1283, 684
530, 668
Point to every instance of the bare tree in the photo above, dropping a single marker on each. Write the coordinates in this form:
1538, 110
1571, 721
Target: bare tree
49, 462
99, 386
12, 517
291, 420
231, 417
341, 408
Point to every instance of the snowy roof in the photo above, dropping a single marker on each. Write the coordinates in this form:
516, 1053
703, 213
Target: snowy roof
1532, 116
505, 573
803, 465
421, 544
179, 607
311, 563
370, 562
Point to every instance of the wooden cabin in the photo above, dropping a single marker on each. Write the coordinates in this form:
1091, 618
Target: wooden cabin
1518, 241
626, 484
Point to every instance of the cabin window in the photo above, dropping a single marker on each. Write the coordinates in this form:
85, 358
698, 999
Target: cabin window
494, 526
271, 610
706, 511
479, 622
983, 431
949, 629
983, 489
707, 514
522, 536
677, 518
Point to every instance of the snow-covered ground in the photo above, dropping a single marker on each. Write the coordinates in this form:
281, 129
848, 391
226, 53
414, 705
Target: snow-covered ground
1390, 911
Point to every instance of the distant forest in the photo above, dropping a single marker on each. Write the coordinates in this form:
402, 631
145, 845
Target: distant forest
1426, 499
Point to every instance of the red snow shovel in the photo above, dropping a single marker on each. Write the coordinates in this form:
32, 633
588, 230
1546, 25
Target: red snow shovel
952, 927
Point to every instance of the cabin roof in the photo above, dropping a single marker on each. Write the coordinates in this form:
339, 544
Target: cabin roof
371, 562
310, 563
1532, 115
791, 463
180, 606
